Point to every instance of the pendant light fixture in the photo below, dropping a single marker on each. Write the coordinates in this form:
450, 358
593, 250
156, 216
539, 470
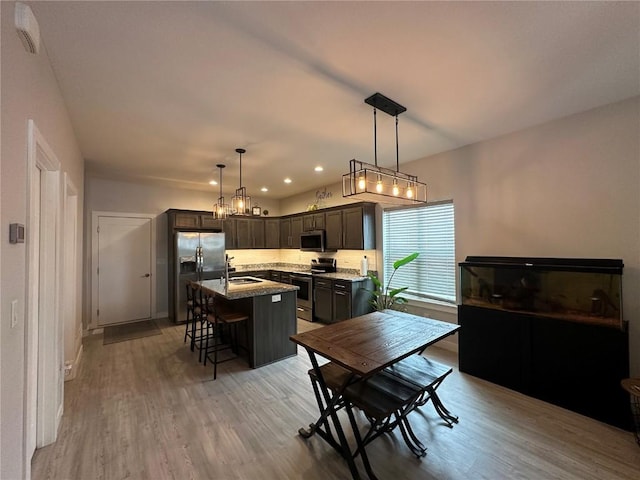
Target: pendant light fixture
220, 209
380, 184
241, 202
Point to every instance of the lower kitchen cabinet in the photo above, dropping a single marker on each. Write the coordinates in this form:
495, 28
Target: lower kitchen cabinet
337, 300
322, 300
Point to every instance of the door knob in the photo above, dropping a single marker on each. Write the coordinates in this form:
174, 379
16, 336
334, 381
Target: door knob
147, 275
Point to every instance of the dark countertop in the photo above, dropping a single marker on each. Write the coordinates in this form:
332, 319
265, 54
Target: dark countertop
247, 290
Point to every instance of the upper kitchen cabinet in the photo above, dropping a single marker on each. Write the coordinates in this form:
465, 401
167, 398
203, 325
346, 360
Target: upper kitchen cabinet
272, 232
250, 232
313, 221
290, 230
351, 228
190, 219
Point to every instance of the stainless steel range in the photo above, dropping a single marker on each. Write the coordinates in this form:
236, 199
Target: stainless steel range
304, 281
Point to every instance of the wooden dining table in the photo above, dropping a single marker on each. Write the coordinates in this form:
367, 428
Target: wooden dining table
364, 346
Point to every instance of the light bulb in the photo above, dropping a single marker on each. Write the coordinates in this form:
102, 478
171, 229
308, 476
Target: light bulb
361, 182
396, 190
240, 205
409, 192
379, 186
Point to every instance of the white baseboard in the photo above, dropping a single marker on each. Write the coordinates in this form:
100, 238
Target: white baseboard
71, 369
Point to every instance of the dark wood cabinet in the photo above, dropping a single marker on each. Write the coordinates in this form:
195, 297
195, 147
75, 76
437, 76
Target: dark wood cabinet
351, 228
191, 219
250, 233
347, 227
336, 300
333, 229
274, 275
341, 302
313, 221
323, 300
358, 228
272, 232
290, 230
296, 230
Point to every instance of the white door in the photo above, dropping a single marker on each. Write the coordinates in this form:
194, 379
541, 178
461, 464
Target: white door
124, 290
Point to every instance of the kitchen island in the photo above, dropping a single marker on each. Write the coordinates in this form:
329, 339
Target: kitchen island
271, 308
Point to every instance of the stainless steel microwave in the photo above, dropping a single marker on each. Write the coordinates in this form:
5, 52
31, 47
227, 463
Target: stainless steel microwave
313, 241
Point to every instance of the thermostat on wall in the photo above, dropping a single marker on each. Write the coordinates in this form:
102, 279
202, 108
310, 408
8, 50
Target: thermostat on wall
16, 233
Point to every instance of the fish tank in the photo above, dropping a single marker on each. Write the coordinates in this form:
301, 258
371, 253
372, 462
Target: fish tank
572, 289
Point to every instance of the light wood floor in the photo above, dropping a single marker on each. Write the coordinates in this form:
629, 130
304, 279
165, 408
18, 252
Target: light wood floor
146, 408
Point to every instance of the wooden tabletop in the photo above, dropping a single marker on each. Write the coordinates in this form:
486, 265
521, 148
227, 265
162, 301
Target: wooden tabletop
371, 342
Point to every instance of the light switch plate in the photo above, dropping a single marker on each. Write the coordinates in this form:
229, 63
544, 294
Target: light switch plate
14, 313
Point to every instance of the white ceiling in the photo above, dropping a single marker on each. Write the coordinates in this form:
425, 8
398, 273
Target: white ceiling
166, 90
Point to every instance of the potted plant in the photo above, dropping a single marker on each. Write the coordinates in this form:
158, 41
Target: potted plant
384, 297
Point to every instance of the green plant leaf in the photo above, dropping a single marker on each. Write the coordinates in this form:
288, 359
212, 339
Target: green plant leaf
396, 291
375, 280
403, 261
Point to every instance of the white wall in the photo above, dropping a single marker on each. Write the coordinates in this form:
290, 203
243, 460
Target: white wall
108, 195
29, 91
567, 188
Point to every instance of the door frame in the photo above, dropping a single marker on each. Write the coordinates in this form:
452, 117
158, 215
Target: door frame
95, 216
71, 288
45, 375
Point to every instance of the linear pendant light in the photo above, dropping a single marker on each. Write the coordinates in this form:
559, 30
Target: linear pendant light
379, 184
220, 209
241, 202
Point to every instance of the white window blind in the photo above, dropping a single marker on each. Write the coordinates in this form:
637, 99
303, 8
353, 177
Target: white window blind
428, 230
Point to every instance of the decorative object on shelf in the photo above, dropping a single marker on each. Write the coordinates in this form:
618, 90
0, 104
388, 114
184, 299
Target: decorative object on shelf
384, 298
241, 202
381, 184
221, 209
256, 211
265, 212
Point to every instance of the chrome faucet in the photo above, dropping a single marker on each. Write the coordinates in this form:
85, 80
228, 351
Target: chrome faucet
226, 268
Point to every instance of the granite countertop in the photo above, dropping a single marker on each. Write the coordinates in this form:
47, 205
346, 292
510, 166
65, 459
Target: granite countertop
349, 277
235, 291
341, 274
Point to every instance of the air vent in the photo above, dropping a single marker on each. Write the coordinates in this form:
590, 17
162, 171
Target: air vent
27, 27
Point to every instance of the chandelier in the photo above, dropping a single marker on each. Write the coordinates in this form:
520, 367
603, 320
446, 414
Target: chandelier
241, 202
371, 182
220, 209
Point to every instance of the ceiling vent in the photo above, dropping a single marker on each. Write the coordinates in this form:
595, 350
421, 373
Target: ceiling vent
27, 27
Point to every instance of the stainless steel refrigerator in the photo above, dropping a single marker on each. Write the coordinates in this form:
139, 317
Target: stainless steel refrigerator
198, 256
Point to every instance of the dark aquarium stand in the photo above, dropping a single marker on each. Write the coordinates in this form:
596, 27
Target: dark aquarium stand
551, 328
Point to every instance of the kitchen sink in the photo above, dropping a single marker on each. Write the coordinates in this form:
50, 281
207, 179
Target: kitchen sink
244, 280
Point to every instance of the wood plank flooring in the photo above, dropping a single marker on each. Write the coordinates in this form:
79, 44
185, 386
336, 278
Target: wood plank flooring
146, 409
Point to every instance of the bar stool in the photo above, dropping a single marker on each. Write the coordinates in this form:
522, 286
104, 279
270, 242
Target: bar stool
190, 326
199, 325
224, 322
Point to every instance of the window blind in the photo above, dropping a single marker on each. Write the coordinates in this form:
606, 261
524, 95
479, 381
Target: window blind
428, 230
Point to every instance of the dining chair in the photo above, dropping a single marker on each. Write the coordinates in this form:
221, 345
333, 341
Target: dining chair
427, 375
223, 323
385, 400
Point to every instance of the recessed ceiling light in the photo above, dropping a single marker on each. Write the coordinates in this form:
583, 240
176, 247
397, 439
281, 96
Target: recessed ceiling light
287, 180
264, 189
213, 182
319, 168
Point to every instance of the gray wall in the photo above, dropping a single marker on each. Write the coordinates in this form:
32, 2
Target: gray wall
566, 188
29, 91
109, 195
